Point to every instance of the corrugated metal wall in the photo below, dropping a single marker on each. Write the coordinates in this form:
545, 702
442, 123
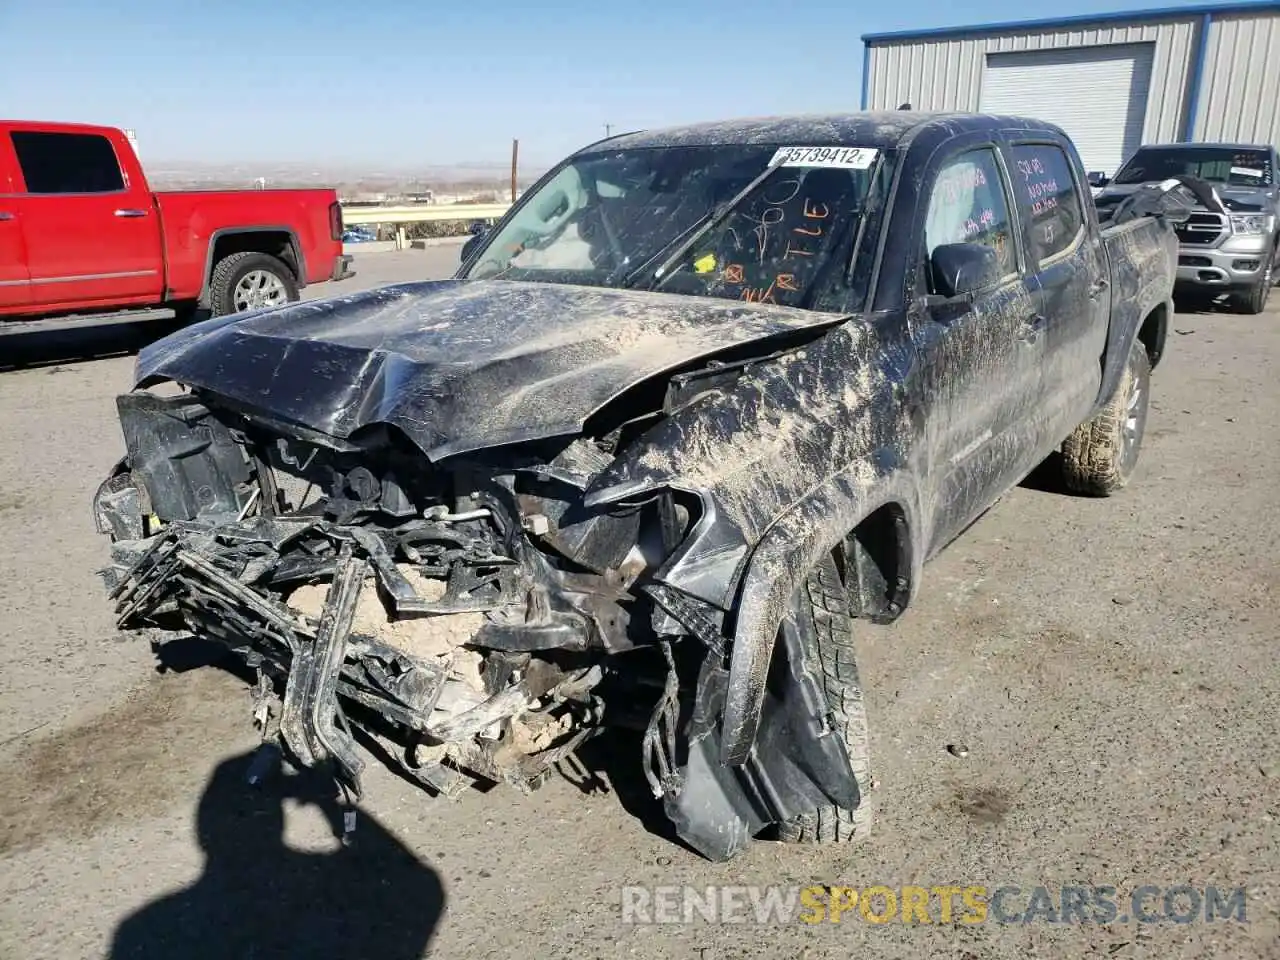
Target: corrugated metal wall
946, 73
1240, 90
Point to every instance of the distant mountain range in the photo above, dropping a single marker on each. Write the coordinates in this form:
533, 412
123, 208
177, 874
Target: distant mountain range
351, 179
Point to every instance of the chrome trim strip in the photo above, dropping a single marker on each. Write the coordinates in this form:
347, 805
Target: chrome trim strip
88, 276
94, 276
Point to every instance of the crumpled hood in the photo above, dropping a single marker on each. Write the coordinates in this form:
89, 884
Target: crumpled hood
457, 364
1237, 199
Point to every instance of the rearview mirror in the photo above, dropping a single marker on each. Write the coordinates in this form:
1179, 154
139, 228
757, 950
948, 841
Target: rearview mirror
1098, 179
961, 268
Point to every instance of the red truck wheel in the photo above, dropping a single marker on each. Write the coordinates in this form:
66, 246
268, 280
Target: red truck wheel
250, 281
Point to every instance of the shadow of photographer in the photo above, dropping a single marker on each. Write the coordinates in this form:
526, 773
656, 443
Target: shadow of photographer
258, 898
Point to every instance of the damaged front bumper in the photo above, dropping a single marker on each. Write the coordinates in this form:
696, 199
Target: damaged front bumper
475, 623
324, 609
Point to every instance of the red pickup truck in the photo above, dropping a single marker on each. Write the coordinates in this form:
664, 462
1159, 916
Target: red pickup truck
81, 232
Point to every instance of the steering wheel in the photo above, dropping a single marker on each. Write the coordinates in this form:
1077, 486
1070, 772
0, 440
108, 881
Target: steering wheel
547, 219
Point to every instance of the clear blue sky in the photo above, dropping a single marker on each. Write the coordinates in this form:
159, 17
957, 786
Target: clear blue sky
390, 81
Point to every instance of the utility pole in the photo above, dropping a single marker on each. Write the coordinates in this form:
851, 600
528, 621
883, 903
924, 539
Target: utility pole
515, 154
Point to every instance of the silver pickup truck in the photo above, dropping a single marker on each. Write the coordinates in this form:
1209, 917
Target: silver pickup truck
1230, 244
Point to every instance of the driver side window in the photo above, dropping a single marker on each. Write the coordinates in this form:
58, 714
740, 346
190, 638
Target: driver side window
968, 204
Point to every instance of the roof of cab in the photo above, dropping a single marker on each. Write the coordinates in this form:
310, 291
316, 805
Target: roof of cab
1206, 145
882, 129
58, 126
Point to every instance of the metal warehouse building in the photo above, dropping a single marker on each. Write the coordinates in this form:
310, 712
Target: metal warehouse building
1112, 81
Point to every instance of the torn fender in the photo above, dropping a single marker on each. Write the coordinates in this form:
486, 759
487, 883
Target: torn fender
788, 550
1143, 256
753, 449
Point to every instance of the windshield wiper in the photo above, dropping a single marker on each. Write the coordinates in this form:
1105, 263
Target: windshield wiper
631, 275
701, 228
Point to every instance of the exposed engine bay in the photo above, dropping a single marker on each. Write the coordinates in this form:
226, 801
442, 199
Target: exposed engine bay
396, 572
471, 617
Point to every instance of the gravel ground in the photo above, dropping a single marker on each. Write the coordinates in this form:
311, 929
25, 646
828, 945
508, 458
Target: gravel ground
1109, 666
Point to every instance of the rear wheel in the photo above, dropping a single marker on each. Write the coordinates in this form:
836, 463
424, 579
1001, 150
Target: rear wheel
250, 281
822, 609
1099, 456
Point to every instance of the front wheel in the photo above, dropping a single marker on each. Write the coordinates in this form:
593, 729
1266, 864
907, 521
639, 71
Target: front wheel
1254, 300
823, 614
250, 281
1099, 456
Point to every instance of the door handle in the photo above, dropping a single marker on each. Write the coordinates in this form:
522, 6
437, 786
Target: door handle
131, 213
5, 215
1096, 289
1032, 328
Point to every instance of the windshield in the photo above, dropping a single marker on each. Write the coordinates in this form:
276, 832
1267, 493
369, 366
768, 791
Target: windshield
614, 219
1234, 167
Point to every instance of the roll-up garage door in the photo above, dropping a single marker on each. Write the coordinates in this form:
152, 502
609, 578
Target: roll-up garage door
1098, 95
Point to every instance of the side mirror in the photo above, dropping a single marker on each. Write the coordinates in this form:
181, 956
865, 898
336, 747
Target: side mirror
479, 230
962, 268
1097, 179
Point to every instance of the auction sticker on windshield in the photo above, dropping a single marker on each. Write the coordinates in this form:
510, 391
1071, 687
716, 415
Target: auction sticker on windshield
850, 158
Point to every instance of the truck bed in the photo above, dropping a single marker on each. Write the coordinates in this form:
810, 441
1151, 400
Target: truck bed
1142, 259
191, 217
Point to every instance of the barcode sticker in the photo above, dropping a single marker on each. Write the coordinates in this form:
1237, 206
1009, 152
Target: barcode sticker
849, 158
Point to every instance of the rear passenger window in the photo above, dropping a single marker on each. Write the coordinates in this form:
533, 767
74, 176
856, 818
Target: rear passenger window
1043, 186
67, 162
968, 205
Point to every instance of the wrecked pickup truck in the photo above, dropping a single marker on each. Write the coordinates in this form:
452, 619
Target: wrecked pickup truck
683, 428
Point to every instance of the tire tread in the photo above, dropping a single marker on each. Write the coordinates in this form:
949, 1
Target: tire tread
222, 280
833, 625
1091, 454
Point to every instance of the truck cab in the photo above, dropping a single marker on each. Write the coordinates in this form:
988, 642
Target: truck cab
76, 220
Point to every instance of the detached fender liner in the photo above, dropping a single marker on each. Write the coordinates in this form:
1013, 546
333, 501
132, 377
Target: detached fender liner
779, 563
797, 763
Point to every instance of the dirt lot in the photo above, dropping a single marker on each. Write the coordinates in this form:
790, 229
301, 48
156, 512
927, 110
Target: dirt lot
1109, 665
